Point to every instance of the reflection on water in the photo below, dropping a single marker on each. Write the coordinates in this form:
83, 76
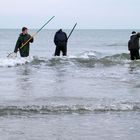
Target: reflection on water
24, 82
134, 68
60, 78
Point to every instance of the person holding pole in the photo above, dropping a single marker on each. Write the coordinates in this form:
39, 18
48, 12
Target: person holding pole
22, 43
60, 40
23, 37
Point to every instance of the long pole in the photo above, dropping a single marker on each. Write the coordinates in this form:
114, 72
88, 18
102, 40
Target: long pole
36, 33
72, 30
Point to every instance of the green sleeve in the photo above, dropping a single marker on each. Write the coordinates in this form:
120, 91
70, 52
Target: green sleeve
18, 44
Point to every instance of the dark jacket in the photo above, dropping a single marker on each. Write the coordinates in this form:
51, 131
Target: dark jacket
133, 43
60, 38
24, 52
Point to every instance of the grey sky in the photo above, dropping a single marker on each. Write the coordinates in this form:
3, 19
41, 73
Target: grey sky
94, 14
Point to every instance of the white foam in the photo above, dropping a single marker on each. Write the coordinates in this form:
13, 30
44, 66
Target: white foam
88, 54
9, 62
83, 55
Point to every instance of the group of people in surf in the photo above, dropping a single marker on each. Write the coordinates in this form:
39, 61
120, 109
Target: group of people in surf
60, 40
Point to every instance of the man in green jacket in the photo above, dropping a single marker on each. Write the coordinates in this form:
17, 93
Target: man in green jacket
23, 38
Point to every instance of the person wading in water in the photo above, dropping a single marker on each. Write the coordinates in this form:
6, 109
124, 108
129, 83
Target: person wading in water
60, 40
23, 38
133, 46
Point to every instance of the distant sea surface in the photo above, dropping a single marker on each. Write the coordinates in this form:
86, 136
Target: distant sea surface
91, 94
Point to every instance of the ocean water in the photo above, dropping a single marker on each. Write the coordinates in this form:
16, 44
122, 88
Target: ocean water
92, 94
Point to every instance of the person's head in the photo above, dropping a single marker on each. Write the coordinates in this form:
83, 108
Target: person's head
24, 30
133, 32
60, 30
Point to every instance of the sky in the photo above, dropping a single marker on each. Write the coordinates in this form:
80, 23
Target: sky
89, 14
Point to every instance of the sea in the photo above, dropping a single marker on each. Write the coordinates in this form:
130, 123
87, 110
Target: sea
91, 94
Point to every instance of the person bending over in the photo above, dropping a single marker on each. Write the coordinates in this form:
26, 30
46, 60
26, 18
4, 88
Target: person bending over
60, 40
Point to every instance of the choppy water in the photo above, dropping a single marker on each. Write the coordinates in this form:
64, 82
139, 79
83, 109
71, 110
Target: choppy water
93, 93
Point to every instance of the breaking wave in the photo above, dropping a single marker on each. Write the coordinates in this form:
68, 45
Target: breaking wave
7, 62
86, 59
69, 109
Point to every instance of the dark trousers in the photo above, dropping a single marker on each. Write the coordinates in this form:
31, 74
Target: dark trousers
24, 54
59, 49
134, 54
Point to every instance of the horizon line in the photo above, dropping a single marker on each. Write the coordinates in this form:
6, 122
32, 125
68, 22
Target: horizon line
75, 29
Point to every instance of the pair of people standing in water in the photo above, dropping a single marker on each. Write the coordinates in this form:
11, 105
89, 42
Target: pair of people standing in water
60, 40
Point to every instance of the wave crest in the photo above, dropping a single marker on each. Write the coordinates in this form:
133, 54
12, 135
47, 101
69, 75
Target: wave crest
86, 59
58, 109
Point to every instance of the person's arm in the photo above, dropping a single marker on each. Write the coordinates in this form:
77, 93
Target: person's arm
66, 37
129, 43
18, 44
138, 35
32, 40
55, 39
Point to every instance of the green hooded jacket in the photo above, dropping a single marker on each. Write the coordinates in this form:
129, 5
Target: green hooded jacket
24, 52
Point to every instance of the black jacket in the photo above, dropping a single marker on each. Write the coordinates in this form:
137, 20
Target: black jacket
24, 52
133, 43
60, 38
